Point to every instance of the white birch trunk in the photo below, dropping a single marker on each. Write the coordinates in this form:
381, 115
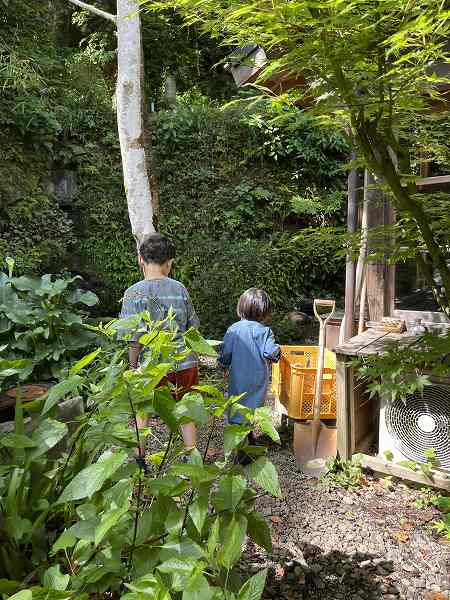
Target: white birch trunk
130, 102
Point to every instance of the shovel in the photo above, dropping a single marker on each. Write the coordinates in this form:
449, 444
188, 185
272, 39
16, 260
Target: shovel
314, 442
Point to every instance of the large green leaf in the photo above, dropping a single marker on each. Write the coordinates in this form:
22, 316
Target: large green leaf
198, 510
198, 344
85, 361
64, 541
183, 549
180, 570
214, 537
259, 530
148, 587
164, 406
92, 478
198, 588
86, 298
15, 440
60, 390
263, 418
22, 595
253, 588
229, 494
233, 435
109, 520
54, 579
46, 436
233, 540
192, 409
166, 486
263, 472
9, 586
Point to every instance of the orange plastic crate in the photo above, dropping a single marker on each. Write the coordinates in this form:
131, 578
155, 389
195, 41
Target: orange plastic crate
294, 381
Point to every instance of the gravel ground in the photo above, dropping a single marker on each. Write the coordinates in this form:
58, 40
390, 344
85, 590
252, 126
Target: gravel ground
337, 545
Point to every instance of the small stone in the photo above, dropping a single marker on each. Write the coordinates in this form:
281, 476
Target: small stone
365, 564
347, 500
319, 583
409, 568
394, 591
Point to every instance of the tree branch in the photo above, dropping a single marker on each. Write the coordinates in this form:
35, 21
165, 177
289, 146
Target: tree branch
94, 10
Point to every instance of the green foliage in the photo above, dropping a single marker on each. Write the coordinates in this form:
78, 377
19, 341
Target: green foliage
403, 370
235, 187
41, 320
87, 521
238, 178
428, 498
432, 498
347, 474
372, 69
240, 239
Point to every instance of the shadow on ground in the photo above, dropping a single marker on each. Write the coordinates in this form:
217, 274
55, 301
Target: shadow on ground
327, 576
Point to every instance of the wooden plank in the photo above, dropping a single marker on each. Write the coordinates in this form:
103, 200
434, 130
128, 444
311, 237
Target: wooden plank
343, 400
436, 180
373, 341
378, 465
426, 316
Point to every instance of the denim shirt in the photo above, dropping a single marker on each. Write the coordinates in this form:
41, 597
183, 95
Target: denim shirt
248, 349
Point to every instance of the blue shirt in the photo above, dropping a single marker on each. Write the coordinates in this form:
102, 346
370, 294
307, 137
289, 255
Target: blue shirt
157, 296
247, 350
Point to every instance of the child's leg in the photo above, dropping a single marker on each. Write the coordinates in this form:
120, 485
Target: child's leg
189, 433
184, 381
141, 423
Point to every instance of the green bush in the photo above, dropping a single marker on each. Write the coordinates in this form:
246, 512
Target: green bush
88, 522
41, 321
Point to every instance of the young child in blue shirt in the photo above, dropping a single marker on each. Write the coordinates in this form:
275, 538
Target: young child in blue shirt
247, 351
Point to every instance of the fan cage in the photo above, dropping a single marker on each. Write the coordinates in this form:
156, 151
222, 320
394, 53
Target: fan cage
420, 423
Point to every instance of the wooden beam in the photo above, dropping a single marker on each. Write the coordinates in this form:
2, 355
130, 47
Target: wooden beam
427, 181
375, 463
96, 11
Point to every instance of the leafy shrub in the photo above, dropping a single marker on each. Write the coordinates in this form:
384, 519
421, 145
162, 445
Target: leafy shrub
41, 320
403, 370
218, 271
89, 522
347, 474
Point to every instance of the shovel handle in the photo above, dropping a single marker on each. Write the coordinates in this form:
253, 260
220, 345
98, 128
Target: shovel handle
324, 317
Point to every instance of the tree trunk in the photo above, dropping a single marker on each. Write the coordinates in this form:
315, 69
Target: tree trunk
130, 106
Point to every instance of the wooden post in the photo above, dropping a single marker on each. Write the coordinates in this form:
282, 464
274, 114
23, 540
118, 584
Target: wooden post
350, 267
344, 408
380, 276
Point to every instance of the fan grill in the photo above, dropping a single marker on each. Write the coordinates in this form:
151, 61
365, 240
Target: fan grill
422, 423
